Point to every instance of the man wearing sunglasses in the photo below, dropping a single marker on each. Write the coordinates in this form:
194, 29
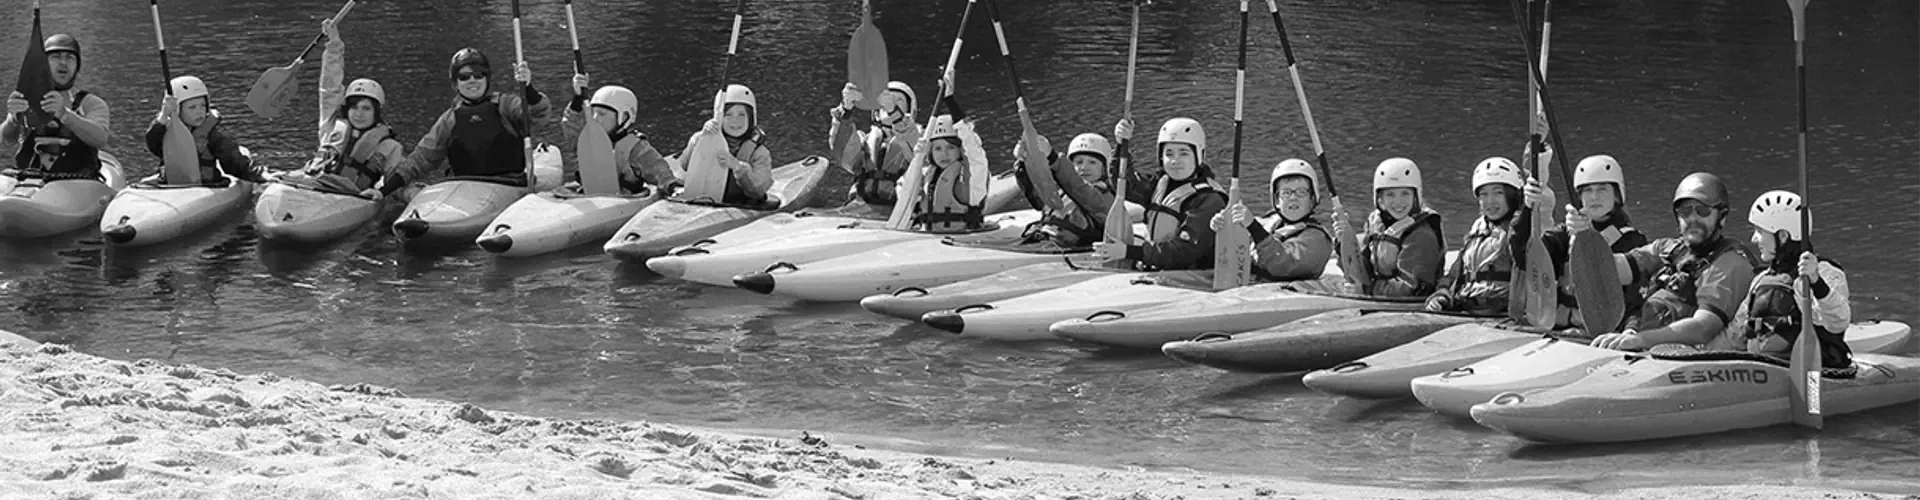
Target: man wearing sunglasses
482, 134
1694, 282
68, 147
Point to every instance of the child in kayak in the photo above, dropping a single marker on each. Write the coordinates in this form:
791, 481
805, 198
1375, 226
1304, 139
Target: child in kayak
1693, 282
1296, 246
748, 162
954, 194
68, 146
1769, 321
482, 134
216, 150
1478, 281
1072, 191
1180, 207
1401, 253
878, 157
1602, 186
357, 148
617, 110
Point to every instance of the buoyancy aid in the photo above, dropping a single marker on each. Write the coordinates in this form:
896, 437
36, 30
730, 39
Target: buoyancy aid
484, 142
74, 158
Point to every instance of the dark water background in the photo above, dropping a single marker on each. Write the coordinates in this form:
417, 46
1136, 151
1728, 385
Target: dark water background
1666, 87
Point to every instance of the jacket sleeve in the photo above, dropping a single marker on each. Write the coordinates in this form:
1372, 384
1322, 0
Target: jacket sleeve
1092, 199
528, 110
156, 134
93, 124
973, 191
332, 87
428, 155
1193, 248
1833, 311
1421, 256
227, 151
1302, 257
645, 161
393, 157
759, 171
1030, 182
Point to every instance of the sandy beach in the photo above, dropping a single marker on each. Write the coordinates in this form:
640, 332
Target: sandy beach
80, 426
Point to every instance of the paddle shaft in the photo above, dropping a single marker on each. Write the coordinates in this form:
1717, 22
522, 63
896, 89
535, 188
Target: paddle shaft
1313, 131
520, 59
1546, 105
159, 39
733, 42
1019, 91
323, 36
1232, 258
573, 34
1118, 230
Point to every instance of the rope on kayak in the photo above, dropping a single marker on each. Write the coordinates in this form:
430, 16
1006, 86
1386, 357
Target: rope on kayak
1671, 352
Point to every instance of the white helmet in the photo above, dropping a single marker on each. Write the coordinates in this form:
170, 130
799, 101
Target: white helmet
368, 88
1601, 168
1090, 143
902, 87
187, 87
1396, 173
1497, 170
1185, 131
1776, 211
620, 100
941, 127
1296, 167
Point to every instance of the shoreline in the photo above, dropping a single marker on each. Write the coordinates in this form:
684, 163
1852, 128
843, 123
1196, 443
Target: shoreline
76, 424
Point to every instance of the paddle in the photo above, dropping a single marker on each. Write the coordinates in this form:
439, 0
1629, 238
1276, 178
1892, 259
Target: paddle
902, 216
705, 176
1533, 296
1027, 133
520, 58
593, 154
274, 90
1343, 247
1805, 360
181, 161
1119, 228
1232, 259
867, 60
35, 77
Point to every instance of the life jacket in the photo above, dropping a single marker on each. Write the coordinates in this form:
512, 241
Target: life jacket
1485, 268
875, 185
353, 150
1772, 310
940, 210
1670, 292
1381, 236
736, 192
485, 143
76, 160
1167, 213
1287, 231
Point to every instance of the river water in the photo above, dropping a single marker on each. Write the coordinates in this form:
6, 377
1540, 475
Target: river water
1666, 87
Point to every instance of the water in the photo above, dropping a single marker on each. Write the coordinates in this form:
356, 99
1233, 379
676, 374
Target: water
1667, 87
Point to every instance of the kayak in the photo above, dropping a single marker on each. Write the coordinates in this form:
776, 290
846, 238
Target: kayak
1312, 343
675, 222
1550, 362
30, 208
1385, 374
1026, 317
1639, 397
918, 263
299, 214
146, 214
773, 227
457, 209
1237, 310
825, 243
560, 219
912, 302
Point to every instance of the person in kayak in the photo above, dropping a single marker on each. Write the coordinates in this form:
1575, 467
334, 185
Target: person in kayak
1602, 186
617, 109
1692, 283
68, 147
1401, 254
217, 151
1478, 281
1296, 246
1181, 206
878, 157
1072, 191
357, 147
481, 135
954, 196
748, 162
1769, 320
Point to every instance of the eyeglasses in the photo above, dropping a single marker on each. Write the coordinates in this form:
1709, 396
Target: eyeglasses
469, 75
1699, 210
1292, 193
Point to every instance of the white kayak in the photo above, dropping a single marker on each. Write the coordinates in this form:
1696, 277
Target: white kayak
456, 209
1385, 375
1548, 363
675, 222
146, 214
766, 229
299, 214
1026, 317
720, 267
33, 208
560, 219
1639, 397
913, 302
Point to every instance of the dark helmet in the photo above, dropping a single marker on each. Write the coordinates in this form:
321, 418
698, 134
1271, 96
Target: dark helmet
1703, 187
62, 42
467, 57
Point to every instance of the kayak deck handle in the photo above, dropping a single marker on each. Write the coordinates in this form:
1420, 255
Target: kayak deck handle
497, 228
1349, 367
972, 308
1213, 337
916, 291
689, 251
1464, 371
1106, 316
781, 265
1507, 398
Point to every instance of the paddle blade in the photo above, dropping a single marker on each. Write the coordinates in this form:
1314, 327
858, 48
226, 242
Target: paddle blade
1119, 229
1538, 287
273, 92
599, 171
909, 187
1805, 365
181, 162
35, 78
1596, 283
1232, 250
867, 63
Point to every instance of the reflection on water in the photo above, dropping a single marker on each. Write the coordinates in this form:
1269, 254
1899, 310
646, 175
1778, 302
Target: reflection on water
1667, 87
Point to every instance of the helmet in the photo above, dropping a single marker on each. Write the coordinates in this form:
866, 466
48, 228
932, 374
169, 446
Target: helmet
187, 87
1703, 187
902, 87
1601, 168
941, 127
1296, 167
62, 42
467, 57
368, 88
1090, 143
1497, 170
740, 94
618, 99
1396, 173
1777, 211
1185, 131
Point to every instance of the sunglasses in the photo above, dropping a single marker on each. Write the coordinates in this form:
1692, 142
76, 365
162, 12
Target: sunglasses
469, 75
1699, 210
